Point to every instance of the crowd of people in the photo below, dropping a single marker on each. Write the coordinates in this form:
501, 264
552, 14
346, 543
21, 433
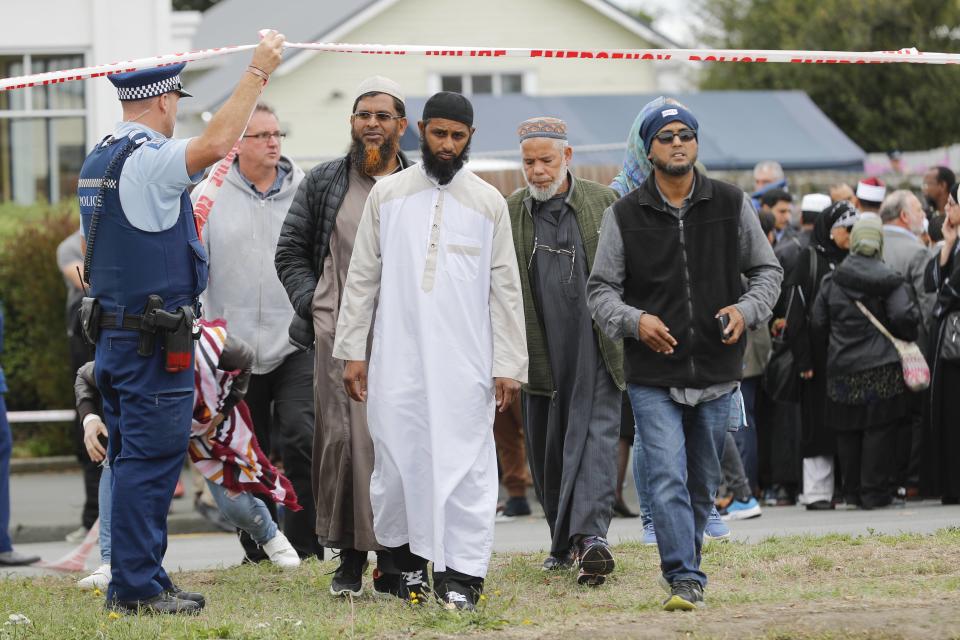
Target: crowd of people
399, 338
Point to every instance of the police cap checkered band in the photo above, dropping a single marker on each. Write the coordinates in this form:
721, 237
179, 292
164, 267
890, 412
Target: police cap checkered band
151, 90
139, 85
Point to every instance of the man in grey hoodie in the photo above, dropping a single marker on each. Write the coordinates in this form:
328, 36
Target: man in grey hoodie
241, 239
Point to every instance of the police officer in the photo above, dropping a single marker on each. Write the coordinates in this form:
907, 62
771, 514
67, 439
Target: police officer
146, 268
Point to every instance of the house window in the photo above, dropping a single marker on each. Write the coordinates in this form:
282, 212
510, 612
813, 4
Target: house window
477, 84
42, 131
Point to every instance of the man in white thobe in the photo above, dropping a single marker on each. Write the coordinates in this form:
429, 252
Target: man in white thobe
434, 255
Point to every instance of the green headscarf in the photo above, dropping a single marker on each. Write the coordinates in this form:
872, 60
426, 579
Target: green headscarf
866, 239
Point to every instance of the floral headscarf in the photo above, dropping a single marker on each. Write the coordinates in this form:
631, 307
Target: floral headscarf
636, 167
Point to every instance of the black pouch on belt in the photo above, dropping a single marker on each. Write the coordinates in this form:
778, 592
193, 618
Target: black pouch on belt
178, 342
90, 319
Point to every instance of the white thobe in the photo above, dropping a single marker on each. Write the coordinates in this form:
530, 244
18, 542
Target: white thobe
449, 320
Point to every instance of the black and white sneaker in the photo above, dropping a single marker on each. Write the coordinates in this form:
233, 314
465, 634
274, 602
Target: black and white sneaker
348, 578
414, 586
685, 595
458, 597
387, 585
595, 561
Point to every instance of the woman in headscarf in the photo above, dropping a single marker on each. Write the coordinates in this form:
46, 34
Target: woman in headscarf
864, 375
941, 473
831, 241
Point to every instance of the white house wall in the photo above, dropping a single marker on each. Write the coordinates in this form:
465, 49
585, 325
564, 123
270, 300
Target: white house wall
315, 97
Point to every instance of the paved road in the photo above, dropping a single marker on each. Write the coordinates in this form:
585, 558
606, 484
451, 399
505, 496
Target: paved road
54, 501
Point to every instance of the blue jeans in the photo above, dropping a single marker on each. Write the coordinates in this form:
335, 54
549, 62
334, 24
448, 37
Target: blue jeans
246, 512
105, 495
6, 449
680, 447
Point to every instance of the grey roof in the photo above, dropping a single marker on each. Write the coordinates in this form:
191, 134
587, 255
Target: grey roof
737, 128
238, 21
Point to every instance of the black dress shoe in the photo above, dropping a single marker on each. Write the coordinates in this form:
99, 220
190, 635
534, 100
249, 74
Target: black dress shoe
820, 505
621, 510
190, 596
163, 602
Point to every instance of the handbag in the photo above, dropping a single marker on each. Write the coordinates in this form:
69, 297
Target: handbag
950, 345
781, 379
916, 373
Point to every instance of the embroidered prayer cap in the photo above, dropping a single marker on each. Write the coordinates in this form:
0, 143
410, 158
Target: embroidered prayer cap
449, 106
871, 190
139, 85
380, 84
542, 127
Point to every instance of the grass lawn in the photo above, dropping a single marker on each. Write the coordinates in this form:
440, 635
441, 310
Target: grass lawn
835, 586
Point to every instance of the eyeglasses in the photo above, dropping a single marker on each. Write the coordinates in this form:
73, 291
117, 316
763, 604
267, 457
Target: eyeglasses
263, 136
666, 137
381, 116
571, 252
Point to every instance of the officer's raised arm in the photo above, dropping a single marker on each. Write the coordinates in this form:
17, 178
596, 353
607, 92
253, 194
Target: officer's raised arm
228, 123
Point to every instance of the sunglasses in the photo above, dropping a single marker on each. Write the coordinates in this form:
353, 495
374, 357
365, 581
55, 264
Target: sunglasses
381, 116
666, 137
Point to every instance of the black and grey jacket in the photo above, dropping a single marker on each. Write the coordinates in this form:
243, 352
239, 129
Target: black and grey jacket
855, 344
305, 239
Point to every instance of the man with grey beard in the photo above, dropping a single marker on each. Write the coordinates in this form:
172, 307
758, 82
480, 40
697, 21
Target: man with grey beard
572, 400
313, 255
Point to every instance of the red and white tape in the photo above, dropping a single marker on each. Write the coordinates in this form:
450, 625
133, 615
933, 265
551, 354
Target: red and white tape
909, 56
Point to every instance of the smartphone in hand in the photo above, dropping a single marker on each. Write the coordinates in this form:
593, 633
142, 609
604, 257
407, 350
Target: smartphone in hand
723, 321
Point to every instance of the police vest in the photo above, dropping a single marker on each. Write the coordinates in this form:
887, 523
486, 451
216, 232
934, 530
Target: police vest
129, 264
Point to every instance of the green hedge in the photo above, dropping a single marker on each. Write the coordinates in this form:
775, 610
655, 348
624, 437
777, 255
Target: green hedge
35, 358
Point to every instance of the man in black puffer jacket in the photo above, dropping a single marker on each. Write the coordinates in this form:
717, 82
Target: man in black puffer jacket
313, 255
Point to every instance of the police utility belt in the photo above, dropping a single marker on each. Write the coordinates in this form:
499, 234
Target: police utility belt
178, 329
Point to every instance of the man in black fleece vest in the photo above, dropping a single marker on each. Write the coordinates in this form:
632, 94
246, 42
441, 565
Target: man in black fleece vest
668, 269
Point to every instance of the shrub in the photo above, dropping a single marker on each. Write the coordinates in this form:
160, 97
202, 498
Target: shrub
35, 357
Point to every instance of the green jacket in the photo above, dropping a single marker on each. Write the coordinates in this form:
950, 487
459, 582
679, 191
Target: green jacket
588, 200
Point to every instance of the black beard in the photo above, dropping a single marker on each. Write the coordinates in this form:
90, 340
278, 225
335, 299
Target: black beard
674, 169
442, 171
358, 155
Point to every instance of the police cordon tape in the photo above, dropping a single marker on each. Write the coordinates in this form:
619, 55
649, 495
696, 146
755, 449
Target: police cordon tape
902, 56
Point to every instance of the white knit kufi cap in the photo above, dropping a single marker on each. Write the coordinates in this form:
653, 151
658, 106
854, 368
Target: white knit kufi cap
380, 84
815, 202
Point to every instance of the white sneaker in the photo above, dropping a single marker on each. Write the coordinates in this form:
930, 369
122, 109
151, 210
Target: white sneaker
281, 552
99, 579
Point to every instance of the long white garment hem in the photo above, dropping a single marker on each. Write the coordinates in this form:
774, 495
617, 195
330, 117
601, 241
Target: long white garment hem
817, 479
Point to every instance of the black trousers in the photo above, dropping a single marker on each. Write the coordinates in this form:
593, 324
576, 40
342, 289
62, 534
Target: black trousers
281, 406
867, 461
80, 354
909, 456
405, 560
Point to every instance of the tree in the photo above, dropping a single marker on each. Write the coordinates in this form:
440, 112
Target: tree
881, 107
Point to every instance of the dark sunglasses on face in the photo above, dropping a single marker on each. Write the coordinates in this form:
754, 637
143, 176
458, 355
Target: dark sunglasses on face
685, 135
381, 116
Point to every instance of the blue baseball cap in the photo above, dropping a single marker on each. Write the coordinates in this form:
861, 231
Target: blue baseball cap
139, 85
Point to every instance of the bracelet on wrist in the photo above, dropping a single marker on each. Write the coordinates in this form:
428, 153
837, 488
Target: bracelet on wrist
260, 73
